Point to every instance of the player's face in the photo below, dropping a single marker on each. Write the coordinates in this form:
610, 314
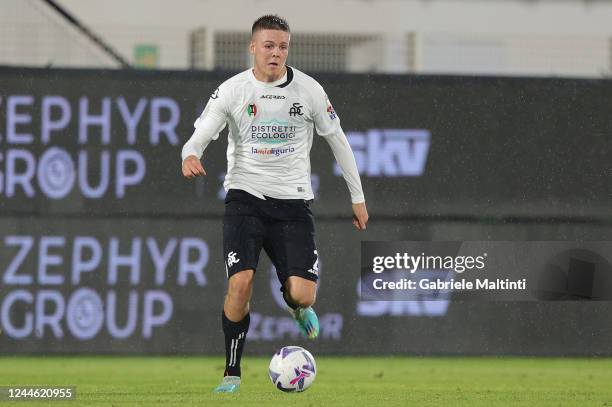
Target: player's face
270, 49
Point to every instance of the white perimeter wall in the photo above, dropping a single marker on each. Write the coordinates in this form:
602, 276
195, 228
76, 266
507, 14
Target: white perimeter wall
580, 30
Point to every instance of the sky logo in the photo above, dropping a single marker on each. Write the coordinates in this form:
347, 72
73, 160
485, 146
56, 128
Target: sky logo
389, 152
421, 303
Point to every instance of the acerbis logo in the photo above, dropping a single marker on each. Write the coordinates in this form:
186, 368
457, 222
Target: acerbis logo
272, 97
389, 152
215, 94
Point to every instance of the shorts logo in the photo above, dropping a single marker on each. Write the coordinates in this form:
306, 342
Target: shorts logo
315, 267
215, 94
252, 110
231, 259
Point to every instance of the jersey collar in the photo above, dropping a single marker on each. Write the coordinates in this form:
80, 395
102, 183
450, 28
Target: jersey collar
281, 83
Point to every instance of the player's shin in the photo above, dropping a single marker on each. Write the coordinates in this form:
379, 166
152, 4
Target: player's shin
235, 336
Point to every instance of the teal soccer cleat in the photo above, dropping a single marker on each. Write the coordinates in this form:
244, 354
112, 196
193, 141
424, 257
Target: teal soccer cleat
229, 384
307, 321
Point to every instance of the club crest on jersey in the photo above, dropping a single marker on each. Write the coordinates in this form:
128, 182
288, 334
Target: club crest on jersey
296, 110
252, 110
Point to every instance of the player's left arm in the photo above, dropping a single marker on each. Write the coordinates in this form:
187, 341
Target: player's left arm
328, 126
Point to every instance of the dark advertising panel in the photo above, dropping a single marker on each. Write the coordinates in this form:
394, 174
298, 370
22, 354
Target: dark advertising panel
157, 286
108, 143
105, 248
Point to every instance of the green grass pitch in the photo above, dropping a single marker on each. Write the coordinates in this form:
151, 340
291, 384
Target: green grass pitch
341, 381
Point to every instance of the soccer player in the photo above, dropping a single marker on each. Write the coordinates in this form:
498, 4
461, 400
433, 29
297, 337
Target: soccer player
270, 110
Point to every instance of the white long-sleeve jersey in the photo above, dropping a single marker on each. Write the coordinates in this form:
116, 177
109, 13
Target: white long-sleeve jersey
271, 133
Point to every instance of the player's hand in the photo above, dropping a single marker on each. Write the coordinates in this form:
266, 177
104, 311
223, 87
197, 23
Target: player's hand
192, 167
360, 215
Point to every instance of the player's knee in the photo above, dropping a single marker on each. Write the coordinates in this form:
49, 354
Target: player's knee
301, 293
240, 285
304, 301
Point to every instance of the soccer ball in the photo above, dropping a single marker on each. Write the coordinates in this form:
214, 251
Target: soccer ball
292, 368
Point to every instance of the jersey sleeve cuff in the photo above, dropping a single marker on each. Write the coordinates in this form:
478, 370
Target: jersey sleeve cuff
358, 199
187, 152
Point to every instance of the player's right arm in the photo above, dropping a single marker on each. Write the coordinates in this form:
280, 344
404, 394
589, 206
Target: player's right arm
207, 128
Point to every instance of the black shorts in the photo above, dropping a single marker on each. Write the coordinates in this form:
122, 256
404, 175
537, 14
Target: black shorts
284, 228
